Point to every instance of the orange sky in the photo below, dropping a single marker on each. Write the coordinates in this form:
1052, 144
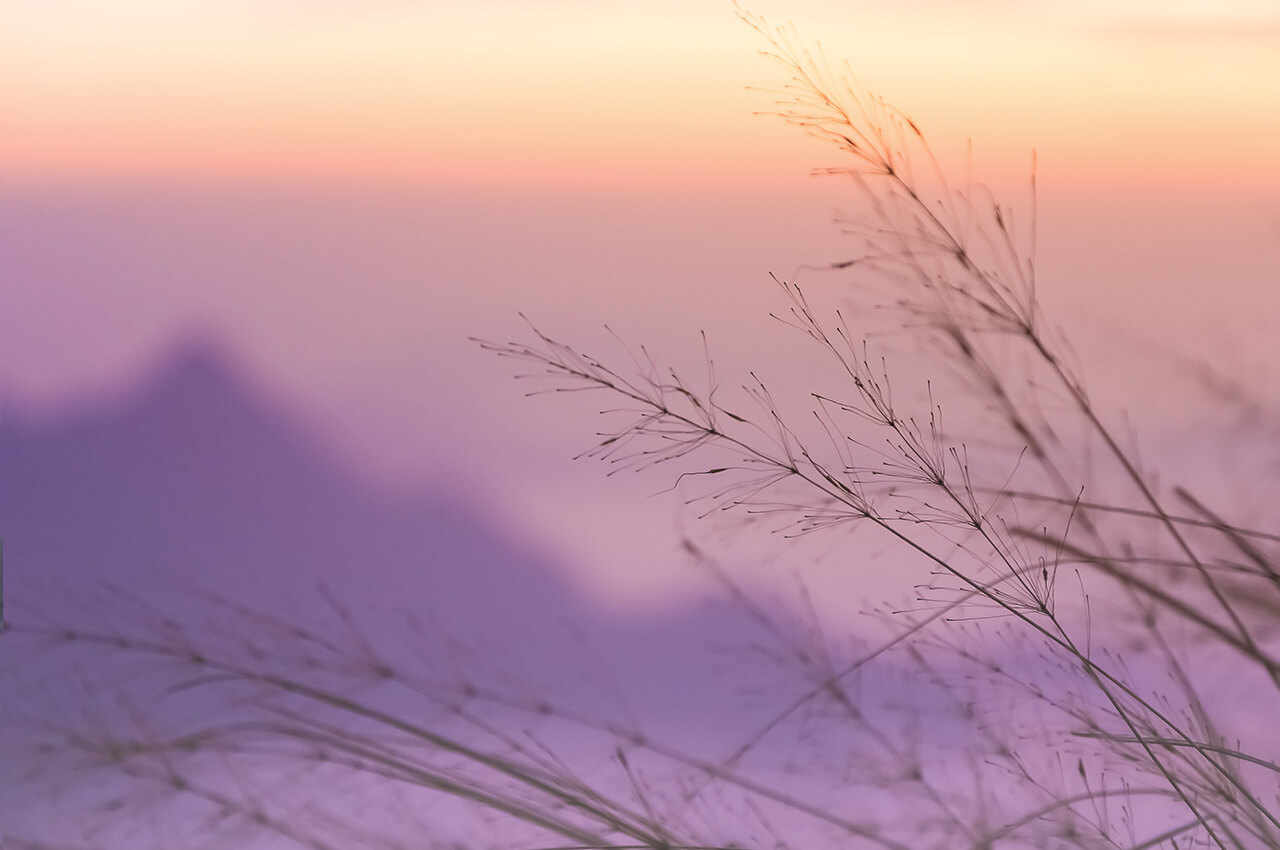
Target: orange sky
580, 92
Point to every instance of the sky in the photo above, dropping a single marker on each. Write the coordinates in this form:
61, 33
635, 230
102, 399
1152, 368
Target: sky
345, 192
560, 93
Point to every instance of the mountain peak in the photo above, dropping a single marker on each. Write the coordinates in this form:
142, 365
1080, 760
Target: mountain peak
198, 364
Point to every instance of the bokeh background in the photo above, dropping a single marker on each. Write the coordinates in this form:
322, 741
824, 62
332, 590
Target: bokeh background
243, 247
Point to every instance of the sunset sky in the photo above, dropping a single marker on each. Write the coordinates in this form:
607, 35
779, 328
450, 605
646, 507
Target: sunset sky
565, 93
344, 191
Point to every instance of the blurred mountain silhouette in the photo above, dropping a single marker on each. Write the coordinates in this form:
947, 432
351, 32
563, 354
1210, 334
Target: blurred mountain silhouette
198, 475
197, 478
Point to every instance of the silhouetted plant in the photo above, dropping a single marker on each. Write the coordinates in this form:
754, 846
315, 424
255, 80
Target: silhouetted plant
1053, 551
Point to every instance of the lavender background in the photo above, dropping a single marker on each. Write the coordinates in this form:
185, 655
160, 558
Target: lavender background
243, 366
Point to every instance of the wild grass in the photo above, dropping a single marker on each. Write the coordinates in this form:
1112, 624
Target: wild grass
1082, 618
